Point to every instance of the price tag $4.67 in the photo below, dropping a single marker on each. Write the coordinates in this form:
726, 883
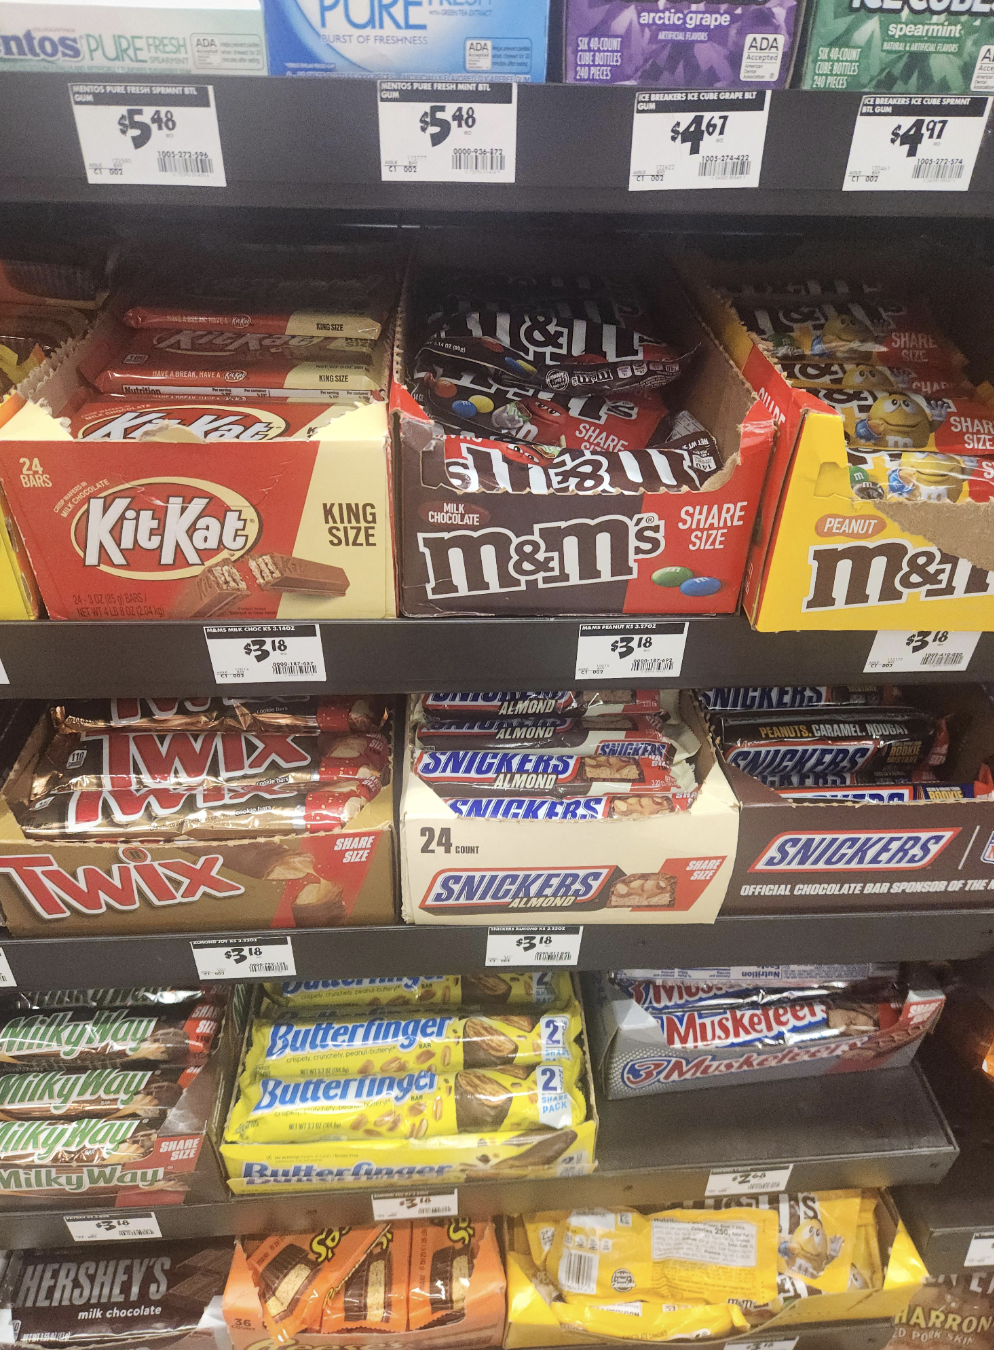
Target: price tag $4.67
698, 139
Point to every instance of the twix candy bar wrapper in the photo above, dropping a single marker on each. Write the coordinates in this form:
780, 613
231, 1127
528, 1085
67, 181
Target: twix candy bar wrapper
374, 1297
547, 988
300, 1046
294, 1274
680, 1255
413, 1105
332, 712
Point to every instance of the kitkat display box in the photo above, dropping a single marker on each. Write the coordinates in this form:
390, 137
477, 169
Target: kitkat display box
604, 527
204, 509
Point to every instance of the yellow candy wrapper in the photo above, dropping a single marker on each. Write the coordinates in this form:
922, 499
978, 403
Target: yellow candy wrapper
413, 1105
540, 1229
297, 1046
677, 1256
544, 988
648, 1320
866, 1269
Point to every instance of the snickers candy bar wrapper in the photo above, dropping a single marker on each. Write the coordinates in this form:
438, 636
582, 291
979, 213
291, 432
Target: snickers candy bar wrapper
847, 740
242, 812
88, 1038
880, 332
107, 1093
863, 376
374, 1297
624, 735
489, 773
138, 760
773, 698
295, 1274
545, 987
67, 1296
571, 808
298, 1046
412, 1105
884, 794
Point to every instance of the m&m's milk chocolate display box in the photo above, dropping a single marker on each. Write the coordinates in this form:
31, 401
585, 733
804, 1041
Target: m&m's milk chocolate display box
570, 442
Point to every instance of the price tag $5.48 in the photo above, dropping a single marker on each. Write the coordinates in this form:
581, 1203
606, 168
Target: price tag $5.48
149, 133
448, 131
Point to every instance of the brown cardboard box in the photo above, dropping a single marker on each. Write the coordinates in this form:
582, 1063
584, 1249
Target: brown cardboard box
557, 538
100, 890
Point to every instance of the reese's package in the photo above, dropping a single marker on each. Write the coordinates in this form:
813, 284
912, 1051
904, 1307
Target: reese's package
374, 1297
295, 1274
548, 988
456, 1273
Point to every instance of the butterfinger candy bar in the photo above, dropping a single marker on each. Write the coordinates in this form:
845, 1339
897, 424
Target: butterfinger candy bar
293, 1047
885, 333
774, 697
507, 704
40, 1040
569, 808
245, 812
51, 1094
123, 760
861, 375
851, 740
214, 590
489, 772
374, 1297
545, 987
295, 1274
298, 576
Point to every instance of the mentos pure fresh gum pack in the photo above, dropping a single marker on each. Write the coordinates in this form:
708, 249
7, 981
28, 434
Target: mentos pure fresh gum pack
133, 37
901, 46
674, 44
495, 39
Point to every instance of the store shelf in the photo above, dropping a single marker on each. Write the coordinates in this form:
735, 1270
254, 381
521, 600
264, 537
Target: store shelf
315, 143
340, 953
872, 1129
944, 1220
386, 656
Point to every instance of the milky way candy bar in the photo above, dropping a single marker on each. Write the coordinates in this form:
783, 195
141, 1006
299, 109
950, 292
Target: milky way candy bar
41, 1000
245, 812
622, 735
74, 1143
522, 772
117, 760
768, 698
52, 1094
40, 1040
850, 740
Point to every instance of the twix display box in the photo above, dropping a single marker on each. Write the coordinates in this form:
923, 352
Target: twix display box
246, 509
877, 511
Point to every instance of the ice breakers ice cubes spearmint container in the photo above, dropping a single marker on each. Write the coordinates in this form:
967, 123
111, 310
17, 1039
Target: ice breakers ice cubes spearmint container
489, 39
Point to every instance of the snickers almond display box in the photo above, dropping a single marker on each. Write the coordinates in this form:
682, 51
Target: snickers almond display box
230, 508
267, 855
583, 487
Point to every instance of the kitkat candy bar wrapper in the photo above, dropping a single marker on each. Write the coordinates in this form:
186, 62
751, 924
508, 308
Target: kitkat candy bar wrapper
665, 44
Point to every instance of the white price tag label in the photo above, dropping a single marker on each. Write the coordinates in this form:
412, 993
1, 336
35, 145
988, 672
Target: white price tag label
981, 1249
448, 131
767, 1345
115, 1227
630, 648
553, 945
4, 677
243, 958
266, 653
698, 139
437, 1206
149, 133
915, 143
749, 1181
902, 651
7, 980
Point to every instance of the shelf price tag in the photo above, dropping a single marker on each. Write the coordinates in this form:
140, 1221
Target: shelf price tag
630, 649
243, 958
767, 1345
915, 143
981, 1249
7, 980
901, 651
698, 139
265, 653
448, 131
437, 1206
748, 1181
149, 133
554, 944
114, 1227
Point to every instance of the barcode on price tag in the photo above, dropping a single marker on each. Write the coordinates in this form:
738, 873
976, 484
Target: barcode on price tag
243, 958
903, 651
915, 143
266, 653
448, 131
767, 1345
114, 1227
748, 1181
551, 945
698, 138
631, 649
163, 134
437, 1206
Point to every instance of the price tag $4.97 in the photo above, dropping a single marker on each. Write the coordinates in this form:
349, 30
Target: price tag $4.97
915, 142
